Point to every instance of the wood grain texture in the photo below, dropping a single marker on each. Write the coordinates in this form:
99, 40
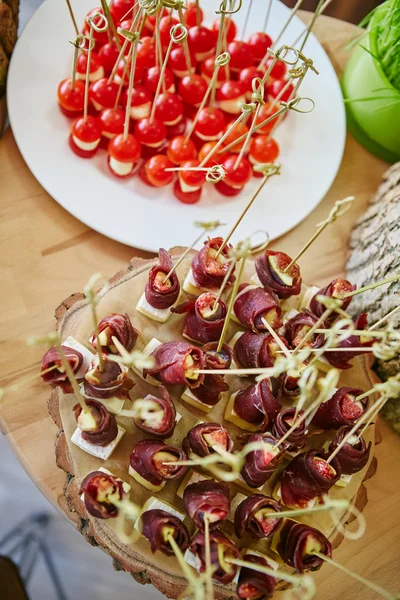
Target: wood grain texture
46, 254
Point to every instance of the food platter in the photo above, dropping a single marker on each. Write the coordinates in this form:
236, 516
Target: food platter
309, 163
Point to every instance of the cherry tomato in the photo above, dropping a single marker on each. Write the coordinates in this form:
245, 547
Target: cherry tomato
126, 24
108, 55
186, 197
205, 151
229, 27
85, 136
266, 111
278, 70
177, 129
236, 175
166, 24
169, 108
112, 122
239, 130
177, 62
210, 124
259, 43
241, 56
156, 173
207, 69
152, 77
275, 90
71, 101
146, 53
246, 77
99, 36
103, 94
201, 42
123, 71
264, 149
123, 151
149, 133
229, 96
191, 17
190, 177
227, 190
140, 103
120, 8
193, 91
96, 68
180, 149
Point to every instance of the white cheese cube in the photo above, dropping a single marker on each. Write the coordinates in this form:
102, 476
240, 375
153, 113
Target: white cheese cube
236, 500
149, 349
308, 296
157, 504
157, 314
102, 452
113, 405
191, 399
71, 342
344, 480
232, 416
255, 280
192, 560
289, 315
147, 484
190, 286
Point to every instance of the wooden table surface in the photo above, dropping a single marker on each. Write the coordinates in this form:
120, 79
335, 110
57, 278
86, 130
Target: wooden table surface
46, 254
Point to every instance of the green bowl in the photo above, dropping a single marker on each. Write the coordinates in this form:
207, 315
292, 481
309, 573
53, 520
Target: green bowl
374, 123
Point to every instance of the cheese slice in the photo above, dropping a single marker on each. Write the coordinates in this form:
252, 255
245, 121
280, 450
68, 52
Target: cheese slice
308, 295
255, 280
71, 342
157, 504
147, 484
236, 500
191, 399
190, 477
232, 416
149, 349
190, 286
156, 314
113, 405
102, 452
344, 480
192, 560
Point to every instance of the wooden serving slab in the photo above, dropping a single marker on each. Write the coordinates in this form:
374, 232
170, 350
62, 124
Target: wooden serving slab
74, 318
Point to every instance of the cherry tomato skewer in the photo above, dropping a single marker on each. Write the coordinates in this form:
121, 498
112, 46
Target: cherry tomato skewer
96, 71
180, 150
71, 92
157, 170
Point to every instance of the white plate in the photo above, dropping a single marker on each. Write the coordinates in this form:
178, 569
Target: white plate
130, 212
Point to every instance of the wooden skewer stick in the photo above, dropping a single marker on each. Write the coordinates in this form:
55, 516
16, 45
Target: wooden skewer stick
246, 21
276, 337
194, 582
269, 171
198, 14
369, 584
87, 80
280, 34
327, 504
390, 314
178, 35
71, 12
321, 7
210, 226
230, 305
258, 96
209, 583
134, 38
106, 10
372, 286
339, 209
185, 42
78, 46
121, 54
92, 298
15, 386
267, 16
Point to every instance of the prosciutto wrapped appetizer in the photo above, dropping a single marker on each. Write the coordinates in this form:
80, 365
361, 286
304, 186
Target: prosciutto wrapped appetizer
354, 455
289, 382
157, 524
270, 268
204, 320
111, 382
209, 271
251, 516
176, 363
335, 289
253, 585
307, 477
260, 464
207, 499
206, 438
213, 386
150, 459
159, 293
97, 489
341, 409
162, 423
298, 327
340, 360
98, 426
58, 377
255, 350
118, 326
257, 404
298, 543
283, 422
253, 304
220, 545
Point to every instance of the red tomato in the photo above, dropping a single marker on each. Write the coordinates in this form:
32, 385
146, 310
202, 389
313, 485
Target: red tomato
71, 101
264, 149
236, 176
229, 26
207, 69
193, 91
177, 61
123, 71
193, 15
180, 149
169, 108
112, 121
178, 129
140, 102
96, 68
227, 190
229, 96
239, 130
152, 78
205, 151
120, 8
103, 94
108, 55
278, 70
192, 177
156, 173
259, 43
275, 90
241, 55
186, 197
150, 133
124, 150
201, 41
266, 111
210, 123
166, 24
99, 36
146, 53
88, 132
247, 75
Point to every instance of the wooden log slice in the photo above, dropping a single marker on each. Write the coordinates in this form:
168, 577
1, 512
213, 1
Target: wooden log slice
74, 318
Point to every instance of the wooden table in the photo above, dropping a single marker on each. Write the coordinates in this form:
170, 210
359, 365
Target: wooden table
45, 254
